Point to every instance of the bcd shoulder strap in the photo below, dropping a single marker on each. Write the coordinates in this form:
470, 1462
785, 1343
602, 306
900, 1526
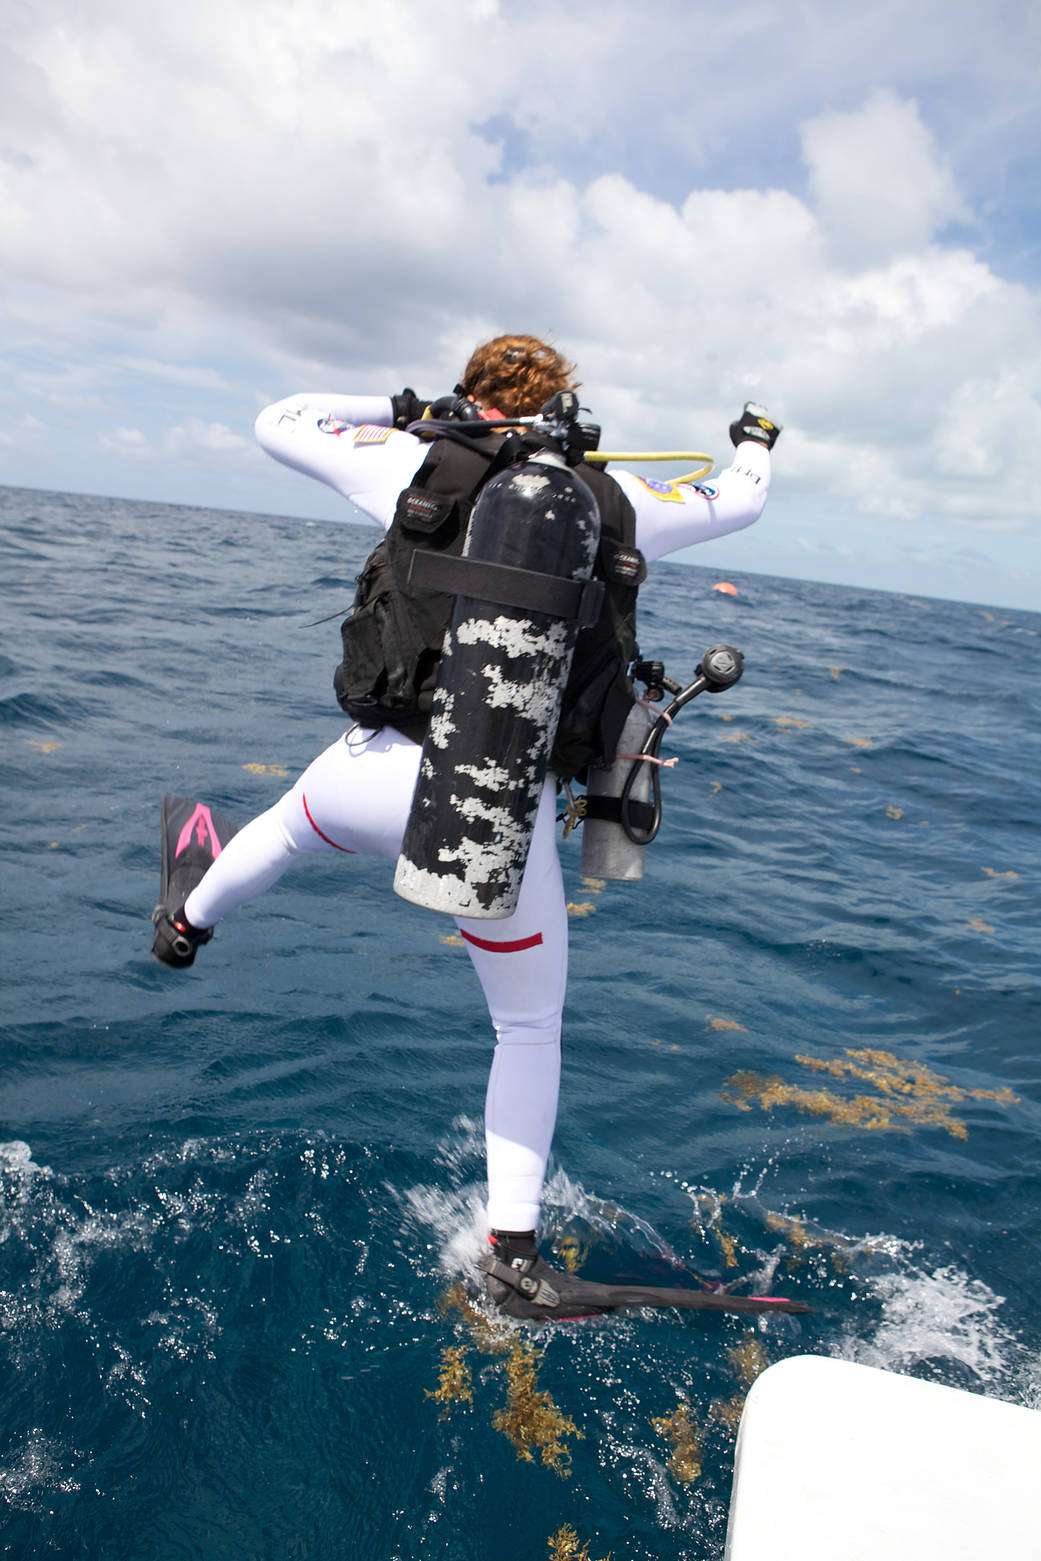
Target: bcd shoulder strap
393, 637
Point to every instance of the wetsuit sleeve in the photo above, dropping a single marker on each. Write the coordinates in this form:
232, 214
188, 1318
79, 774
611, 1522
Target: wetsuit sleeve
671, 515
346, 442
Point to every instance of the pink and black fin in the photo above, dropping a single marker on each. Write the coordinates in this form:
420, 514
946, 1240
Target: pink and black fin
525, 1286
193, 837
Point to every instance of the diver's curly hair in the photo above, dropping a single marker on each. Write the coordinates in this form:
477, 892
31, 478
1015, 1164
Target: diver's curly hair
517, 374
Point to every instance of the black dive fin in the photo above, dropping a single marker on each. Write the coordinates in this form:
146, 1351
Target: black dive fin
533, 1289
193, 837
622, 1296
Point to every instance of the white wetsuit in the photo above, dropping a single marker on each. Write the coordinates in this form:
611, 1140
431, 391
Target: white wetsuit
355, 797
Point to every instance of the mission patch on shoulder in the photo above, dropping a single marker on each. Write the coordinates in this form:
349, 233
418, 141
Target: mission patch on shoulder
668, 492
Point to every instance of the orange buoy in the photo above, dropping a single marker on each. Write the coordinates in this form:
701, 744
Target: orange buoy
726, 588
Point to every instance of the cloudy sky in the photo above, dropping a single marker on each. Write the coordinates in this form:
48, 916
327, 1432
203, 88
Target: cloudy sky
833, 209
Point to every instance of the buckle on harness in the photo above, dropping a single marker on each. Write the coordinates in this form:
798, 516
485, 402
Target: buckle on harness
575, 811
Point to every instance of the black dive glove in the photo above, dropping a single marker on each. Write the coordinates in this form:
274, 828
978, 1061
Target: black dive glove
407, 408
756, 423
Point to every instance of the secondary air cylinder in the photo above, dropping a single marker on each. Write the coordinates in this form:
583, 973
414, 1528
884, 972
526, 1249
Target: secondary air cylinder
607, 850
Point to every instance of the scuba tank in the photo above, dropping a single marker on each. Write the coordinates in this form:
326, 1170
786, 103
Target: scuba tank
622, 811
523, 590
608, 851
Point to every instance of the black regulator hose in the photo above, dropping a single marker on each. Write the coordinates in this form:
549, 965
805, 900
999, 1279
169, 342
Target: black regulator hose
556, 424
719, 669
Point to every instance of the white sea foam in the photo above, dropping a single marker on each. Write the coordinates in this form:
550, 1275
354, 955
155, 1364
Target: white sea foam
462, 1146
459, 1222
33, 1468
565, 1199
60, 1235
648, 1472
1029, 1383
20, 1181
942, 1315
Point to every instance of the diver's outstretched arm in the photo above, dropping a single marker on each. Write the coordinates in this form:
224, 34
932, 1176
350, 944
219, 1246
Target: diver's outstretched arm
671, 515
347, 443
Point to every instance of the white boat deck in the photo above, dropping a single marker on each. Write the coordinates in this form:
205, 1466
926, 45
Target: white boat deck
839, 1462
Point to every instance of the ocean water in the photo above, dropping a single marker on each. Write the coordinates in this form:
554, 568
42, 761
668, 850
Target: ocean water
237, 1203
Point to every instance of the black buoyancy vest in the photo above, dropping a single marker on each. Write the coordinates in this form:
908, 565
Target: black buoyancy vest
392, 640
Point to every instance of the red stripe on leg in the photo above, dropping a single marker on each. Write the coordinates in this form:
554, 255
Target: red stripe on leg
321, 832
503, 948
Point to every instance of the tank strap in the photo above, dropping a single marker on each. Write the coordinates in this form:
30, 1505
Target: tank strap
578, 601
641, 814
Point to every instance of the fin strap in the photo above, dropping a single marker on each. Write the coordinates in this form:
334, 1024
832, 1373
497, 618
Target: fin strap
536, 1290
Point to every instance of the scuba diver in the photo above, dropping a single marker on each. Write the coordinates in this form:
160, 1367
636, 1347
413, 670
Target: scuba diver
418, 471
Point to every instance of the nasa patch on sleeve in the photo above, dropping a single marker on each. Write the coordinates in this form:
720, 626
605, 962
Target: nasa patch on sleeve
668, 492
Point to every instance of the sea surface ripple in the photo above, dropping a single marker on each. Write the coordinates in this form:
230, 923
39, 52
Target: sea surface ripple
237, 1203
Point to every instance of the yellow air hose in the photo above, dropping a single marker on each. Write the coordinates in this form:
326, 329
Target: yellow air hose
601, 457
659, 455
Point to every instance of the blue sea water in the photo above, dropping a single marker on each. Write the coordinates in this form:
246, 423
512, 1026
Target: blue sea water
234, 1201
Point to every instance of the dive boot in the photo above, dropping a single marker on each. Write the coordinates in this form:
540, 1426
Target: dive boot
522, 1285
193, 837
176, 940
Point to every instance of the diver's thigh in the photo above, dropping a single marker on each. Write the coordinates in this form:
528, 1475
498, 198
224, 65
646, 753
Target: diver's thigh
521, 961
356, 796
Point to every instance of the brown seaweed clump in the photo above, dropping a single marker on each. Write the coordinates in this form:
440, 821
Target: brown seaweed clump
531, 1421
685, 1461
805, 1241
728, 1411
747, 1359
709, 1212
572, 1253
564, 1546
490, 1337
907, 1094
455, 1384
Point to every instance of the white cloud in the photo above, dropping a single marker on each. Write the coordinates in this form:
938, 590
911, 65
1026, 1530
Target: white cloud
196, 439
879, 187
198, 376
71, 386
25, 430
195, 443
129, 443
254, 194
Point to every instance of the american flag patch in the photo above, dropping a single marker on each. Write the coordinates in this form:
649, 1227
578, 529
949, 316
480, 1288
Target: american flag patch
369, 433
